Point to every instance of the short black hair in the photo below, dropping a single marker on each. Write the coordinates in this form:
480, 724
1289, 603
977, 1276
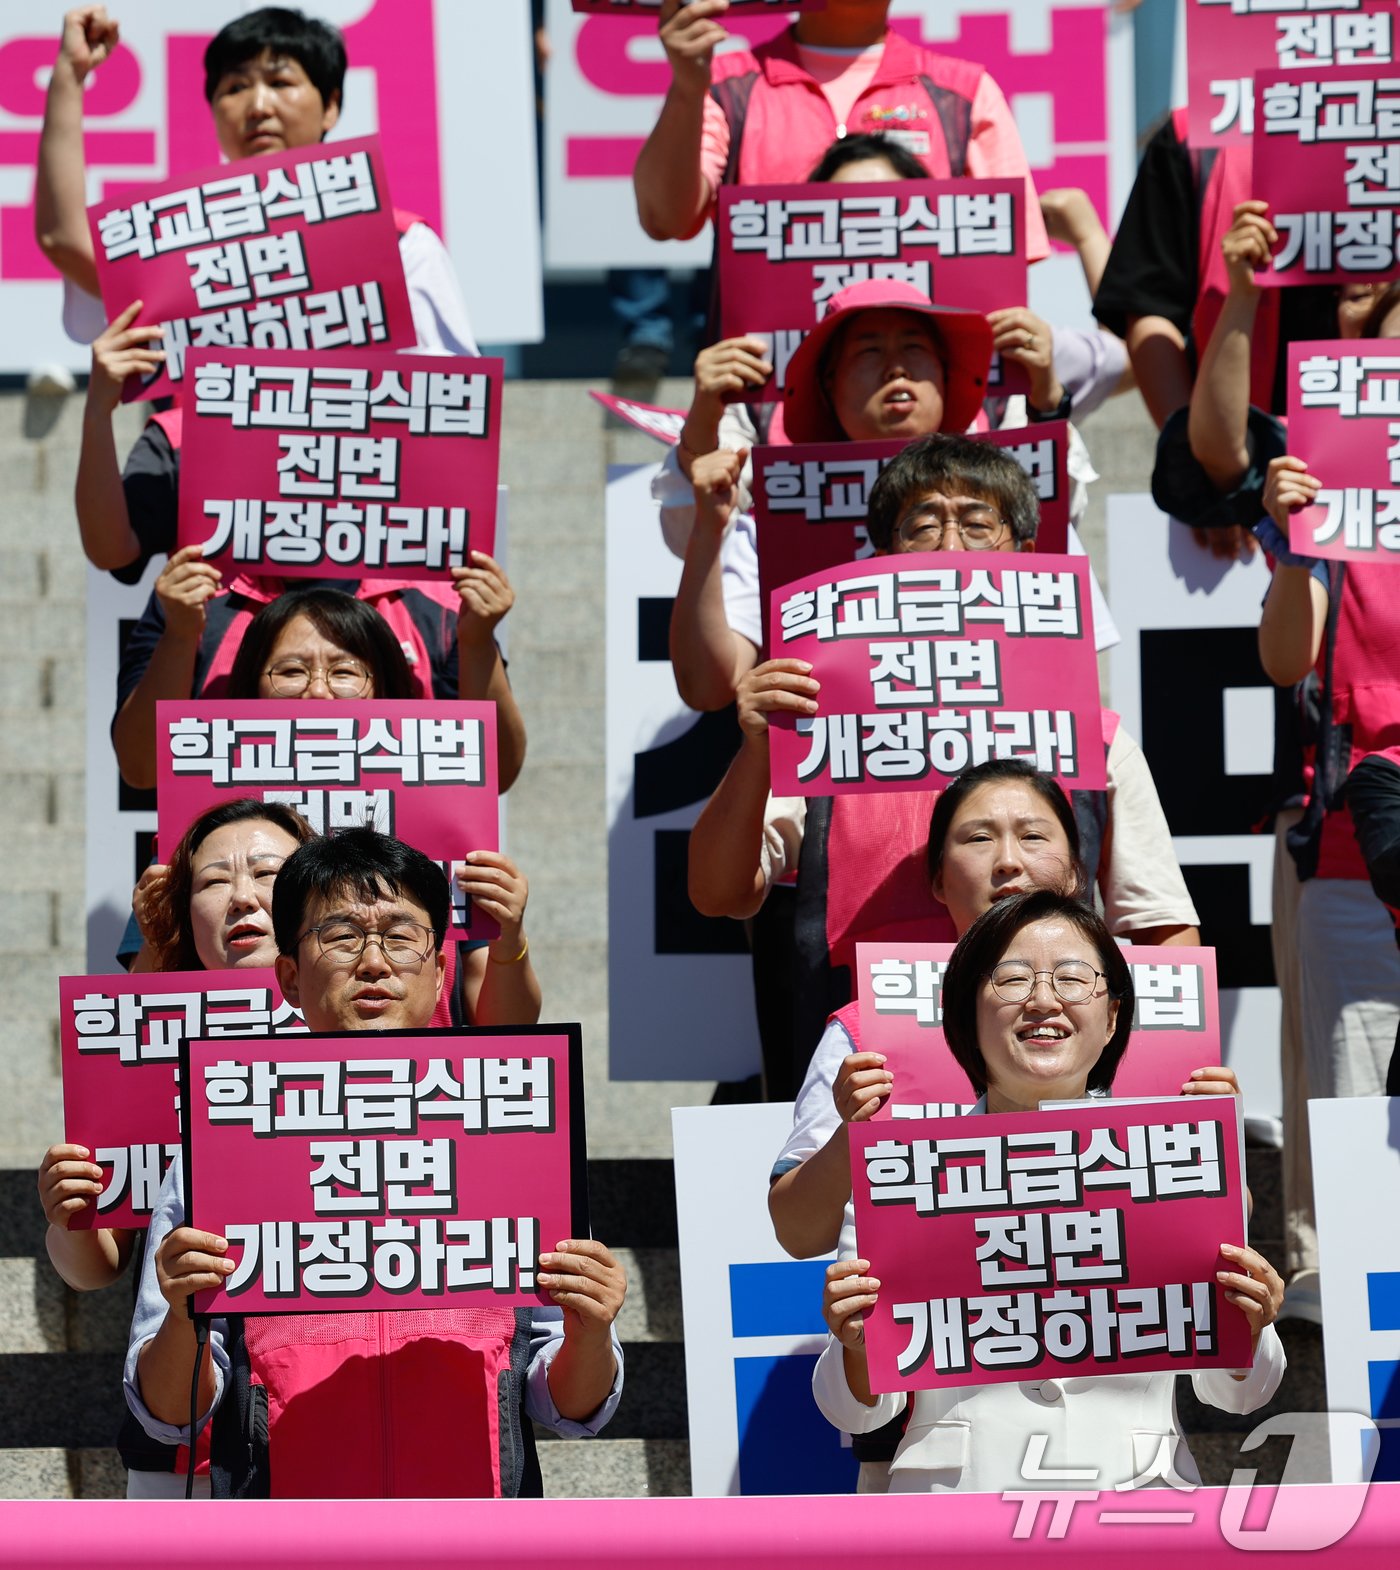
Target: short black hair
316, 46
944, 462
858, 149
362, 864
981, 948
994, 772
351, 624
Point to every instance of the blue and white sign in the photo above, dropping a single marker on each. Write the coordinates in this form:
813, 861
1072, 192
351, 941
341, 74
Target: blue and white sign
753, 1321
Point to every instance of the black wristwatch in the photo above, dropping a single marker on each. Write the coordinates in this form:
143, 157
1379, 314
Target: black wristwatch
1061, 411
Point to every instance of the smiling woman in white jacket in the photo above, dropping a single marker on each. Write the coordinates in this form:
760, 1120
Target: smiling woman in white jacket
1060, 1039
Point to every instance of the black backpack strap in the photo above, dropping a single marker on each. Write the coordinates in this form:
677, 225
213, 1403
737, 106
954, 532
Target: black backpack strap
1332, 752
955, 116
239, 1464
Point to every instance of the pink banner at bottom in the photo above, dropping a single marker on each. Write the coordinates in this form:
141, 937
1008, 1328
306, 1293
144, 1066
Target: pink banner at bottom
1161, 1530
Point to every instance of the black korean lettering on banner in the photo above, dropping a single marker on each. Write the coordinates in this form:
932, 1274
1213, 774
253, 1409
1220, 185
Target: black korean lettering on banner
1185, 675
684, 770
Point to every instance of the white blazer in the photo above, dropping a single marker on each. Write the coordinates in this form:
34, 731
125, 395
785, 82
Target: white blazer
1110, 1431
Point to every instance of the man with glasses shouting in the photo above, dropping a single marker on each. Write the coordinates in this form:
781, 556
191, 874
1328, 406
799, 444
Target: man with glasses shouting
360, 920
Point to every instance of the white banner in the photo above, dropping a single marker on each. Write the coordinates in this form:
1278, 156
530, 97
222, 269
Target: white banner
440, 82
1187, 681
1066, 67
1356, 1180
753, 1324
680, 993
119, 821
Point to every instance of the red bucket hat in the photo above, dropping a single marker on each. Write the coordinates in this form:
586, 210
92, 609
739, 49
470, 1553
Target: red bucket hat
967, 355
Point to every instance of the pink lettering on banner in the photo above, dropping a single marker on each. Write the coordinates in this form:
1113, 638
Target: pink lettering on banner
1344, 422
119, 1041
295, 250
1176, 1025
1072, 73
810, 500
786, 250
931, 663
1327, 161
424, 771
1229, 41
340, 465
392, 41
387, 1173
1030, 1246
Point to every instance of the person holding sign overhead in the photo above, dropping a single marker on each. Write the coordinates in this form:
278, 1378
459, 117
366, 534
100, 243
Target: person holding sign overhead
763, 116
274, 79
1037, 1007
359, 921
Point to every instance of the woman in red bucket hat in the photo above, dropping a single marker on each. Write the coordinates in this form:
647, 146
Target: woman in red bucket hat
886, 361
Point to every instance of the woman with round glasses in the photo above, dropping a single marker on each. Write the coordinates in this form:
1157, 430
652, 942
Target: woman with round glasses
1038, 1006
319, 644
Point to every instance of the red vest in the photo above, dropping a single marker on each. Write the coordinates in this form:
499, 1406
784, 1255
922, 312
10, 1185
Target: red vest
413, 1405
1223, 178
1360, 672
780, 122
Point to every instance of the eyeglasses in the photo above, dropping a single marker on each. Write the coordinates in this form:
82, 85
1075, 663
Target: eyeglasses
978, 528
344, 678
343, 941
1071, 981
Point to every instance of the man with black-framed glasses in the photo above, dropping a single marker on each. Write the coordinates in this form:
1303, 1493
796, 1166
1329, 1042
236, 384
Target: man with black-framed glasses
360, 921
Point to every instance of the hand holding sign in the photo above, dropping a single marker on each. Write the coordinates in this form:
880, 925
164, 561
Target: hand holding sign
1019, 334
584, 1279
777, 686
1248, 245
185, 584
862, 1086
729, 367
689, 34
190, 1261
850, 1293
1214, 1081
68, 1183
499, 888
122, 350
1254, 1287
486, 597
1288, 488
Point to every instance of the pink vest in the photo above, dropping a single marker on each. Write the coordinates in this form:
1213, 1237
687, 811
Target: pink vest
1360, 672
787, 123
384, 1406
877, 887
1228, 180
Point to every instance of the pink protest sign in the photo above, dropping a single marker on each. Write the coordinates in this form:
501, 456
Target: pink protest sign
340, 465
931, 663
1031, 1246
1343, 402
810, 500
391, 1171
664, 424
1326, 160
784, 250
293, 250
1229, 41
119, 1039
1176, 1024
424, 771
